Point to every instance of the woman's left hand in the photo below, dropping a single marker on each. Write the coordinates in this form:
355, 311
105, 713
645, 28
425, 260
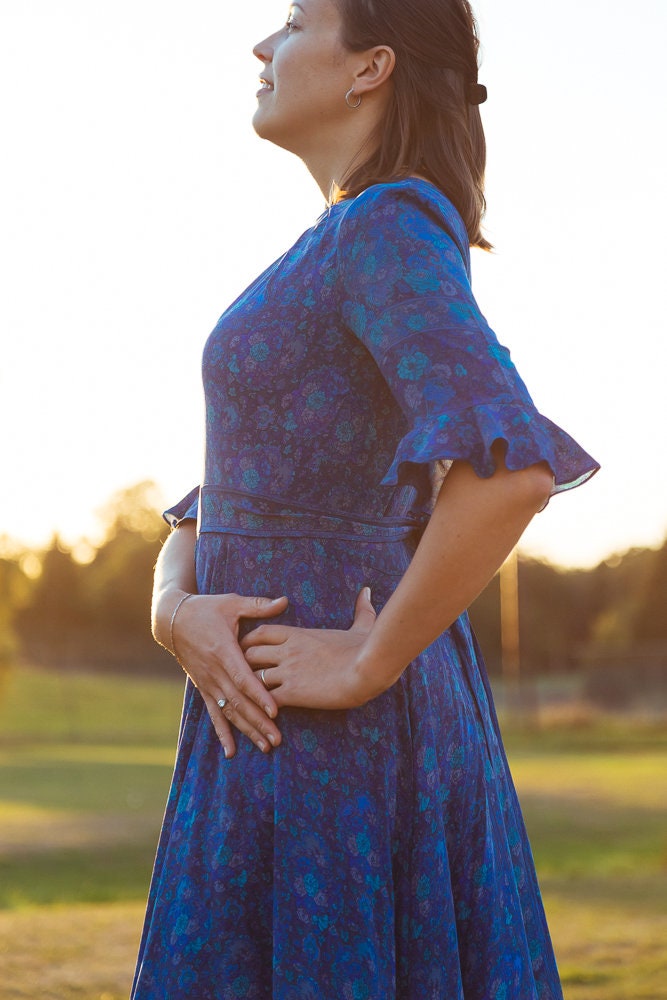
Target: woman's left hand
314, 668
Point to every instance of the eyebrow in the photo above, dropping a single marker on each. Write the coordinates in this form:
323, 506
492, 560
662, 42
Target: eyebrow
295, 6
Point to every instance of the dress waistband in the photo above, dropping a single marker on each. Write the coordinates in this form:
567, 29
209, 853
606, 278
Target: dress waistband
234, 512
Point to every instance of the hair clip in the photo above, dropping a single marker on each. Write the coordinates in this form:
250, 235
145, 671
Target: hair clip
477, 93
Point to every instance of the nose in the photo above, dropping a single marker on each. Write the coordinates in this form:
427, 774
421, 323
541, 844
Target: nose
264, 50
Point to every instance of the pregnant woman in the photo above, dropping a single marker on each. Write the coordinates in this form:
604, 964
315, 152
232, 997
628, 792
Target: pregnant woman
342, 824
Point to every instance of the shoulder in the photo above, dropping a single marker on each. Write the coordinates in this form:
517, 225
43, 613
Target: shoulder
412, 210
413, 203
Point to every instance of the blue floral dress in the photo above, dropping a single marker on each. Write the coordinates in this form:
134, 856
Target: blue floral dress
379, 853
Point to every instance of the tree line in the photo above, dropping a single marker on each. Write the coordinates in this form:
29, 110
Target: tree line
94, 613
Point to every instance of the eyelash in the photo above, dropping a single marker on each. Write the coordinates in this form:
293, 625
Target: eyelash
291, 24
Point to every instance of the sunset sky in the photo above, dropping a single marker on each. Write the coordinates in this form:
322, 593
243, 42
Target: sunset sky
136, 202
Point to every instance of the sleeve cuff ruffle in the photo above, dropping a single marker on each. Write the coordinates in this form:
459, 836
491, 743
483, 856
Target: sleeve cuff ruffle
186, 509
469, 434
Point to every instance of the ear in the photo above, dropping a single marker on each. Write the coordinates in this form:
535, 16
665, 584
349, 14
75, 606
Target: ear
375, 67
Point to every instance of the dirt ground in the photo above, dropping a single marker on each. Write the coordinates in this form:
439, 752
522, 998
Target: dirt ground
69, 953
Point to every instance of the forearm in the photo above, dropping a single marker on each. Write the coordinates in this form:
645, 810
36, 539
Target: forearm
475, 524
206, 634
174, 577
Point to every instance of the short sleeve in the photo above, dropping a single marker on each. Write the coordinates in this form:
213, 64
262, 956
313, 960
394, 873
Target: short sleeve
405, 291
186, 509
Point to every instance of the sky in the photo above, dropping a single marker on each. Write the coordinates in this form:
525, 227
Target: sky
136, 203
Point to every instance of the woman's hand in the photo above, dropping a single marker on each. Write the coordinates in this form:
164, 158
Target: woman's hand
474, 525
313, 668
205, 638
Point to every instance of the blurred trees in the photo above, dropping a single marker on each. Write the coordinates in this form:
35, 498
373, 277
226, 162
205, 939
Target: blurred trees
55, 612
608, 623
92, 609
572, 615
14, 589
119, 579
649, 623
97, 613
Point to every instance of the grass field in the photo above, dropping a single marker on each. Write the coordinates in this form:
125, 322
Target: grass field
85, 764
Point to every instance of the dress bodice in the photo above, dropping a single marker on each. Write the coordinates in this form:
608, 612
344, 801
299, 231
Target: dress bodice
358, 361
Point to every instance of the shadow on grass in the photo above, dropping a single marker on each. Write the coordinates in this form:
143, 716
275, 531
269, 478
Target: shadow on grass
574, 839
113, 874
48, 781
641, 894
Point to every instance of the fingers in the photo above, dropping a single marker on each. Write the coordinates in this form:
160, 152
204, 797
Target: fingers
251, 723
265, 635
243, 715
246, 687
260, 607
269, 677
222, 728
263, 656
249, 705
364, 612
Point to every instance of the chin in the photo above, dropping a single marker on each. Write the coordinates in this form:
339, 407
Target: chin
257, 122
261, 126
265, 130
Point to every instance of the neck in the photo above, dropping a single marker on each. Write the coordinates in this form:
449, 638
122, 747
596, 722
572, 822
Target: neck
330, 163
330, 175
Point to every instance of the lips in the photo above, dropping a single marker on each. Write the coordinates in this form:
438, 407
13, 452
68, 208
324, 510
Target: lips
266, 88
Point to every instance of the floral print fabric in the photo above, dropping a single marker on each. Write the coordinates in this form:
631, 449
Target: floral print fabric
379, 853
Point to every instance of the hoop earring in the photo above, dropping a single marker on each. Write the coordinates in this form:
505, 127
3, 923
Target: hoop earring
353, 107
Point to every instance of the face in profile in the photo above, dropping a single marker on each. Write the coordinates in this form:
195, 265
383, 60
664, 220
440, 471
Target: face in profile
305, 76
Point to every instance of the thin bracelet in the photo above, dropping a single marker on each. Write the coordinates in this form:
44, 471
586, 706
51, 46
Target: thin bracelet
172, 644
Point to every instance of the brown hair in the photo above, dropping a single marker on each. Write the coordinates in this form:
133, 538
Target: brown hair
430, 127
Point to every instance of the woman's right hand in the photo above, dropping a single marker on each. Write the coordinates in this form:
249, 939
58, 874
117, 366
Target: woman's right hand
205, 638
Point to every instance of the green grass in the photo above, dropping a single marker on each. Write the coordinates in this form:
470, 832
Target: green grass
85, 764
39, 706
595, 814
81, 778
57, 877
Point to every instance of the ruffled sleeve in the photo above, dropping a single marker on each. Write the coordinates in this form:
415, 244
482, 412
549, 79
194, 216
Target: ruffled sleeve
404, 274
186, 509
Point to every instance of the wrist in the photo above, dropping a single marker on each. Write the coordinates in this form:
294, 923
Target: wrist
165, 606
373, 674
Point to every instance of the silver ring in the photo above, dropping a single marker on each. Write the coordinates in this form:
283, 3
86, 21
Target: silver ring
263, 678
222, 702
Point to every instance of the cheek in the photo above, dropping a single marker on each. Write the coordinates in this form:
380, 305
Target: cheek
305, 72
311, 95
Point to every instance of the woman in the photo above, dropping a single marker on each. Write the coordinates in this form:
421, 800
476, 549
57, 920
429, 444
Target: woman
366, 434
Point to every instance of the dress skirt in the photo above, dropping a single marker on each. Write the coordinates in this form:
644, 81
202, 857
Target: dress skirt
378, 854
